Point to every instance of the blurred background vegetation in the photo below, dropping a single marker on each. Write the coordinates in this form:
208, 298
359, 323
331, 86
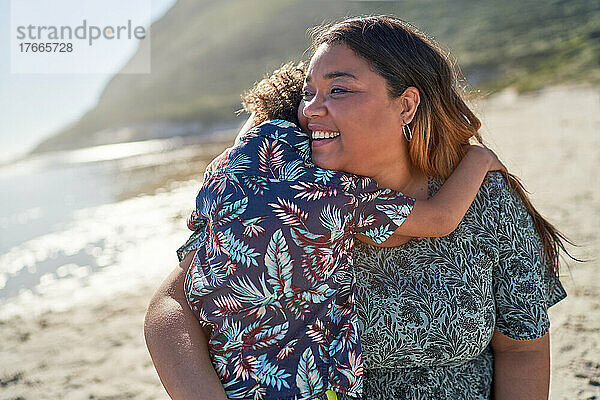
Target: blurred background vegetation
205, 53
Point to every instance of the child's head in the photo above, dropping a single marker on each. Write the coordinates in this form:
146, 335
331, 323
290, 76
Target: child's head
277, 96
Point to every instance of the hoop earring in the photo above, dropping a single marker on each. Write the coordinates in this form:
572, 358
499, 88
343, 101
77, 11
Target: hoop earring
408, 135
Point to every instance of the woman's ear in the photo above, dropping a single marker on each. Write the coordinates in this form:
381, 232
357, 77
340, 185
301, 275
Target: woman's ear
409, 102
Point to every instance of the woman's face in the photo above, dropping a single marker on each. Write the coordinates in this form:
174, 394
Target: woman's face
355, 126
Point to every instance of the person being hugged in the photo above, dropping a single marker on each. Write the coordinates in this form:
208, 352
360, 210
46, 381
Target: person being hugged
271, 279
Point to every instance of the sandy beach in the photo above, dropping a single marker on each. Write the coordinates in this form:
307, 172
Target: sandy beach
92, 347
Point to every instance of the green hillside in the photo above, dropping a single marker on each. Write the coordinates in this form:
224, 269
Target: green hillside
206, 52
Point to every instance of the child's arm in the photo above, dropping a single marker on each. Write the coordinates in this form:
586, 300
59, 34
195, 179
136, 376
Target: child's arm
441, 214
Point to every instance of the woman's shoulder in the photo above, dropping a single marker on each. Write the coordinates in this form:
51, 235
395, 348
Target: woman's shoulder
510, 203
492, 190
495, 185
500, 200
485, 214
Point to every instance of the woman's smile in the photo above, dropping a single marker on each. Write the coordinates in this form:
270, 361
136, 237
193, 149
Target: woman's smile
320, 142
320, 136
316, 135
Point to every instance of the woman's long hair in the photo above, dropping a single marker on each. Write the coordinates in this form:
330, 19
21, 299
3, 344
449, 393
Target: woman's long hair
443, 123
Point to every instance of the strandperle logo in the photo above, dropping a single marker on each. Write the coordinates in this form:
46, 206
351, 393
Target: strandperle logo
75, 36
82, 32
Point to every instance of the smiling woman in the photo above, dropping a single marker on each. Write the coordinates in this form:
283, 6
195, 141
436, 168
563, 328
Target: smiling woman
440, 317
270, 280
268, 275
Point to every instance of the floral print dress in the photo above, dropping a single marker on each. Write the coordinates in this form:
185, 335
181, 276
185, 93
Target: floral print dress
427, 309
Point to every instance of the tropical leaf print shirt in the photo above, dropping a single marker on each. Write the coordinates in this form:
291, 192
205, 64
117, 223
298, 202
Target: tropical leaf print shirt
272, 278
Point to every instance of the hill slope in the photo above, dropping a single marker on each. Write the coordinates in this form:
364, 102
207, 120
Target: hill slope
205, 53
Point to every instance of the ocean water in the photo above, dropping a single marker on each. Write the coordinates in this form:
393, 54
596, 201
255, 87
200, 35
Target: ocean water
79, 225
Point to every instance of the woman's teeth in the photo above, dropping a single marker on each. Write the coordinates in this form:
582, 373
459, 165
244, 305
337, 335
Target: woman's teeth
324, 135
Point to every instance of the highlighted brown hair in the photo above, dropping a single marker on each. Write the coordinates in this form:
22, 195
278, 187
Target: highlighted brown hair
443, 123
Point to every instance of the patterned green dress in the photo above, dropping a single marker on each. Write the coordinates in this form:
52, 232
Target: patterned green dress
428, 309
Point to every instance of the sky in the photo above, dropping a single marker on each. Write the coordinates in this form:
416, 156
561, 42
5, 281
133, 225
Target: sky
34, 106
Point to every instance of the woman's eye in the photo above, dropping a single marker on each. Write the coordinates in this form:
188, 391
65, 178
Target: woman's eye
338, 90
306, 95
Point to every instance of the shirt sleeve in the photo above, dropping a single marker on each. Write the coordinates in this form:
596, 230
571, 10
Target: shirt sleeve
212, 183
379, 212
196, 239
195, 223
524, 287
198, 283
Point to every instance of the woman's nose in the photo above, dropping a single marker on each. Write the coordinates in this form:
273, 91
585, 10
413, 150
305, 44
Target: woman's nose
314, 108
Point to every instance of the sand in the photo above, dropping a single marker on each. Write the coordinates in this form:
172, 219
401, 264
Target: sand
95, 349
551, 139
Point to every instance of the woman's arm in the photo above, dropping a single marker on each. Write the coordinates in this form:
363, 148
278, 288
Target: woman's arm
441, 214
177, 343
521, 367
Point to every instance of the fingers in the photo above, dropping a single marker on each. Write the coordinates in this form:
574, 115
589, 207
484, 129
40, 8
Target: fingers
498, 167
496, 164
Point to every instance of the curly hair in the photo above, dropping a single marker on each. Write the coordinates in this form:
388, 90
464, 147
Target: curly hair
277, 96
